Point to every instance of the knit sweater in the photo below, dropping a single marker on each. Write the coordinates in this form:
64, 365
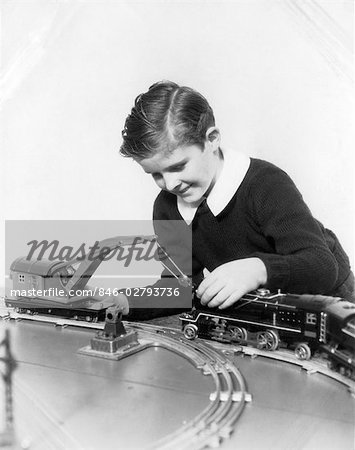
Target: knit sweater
266, 218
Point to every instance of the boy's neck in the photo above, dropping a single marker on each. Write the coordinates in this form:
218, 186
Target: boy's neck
219, 162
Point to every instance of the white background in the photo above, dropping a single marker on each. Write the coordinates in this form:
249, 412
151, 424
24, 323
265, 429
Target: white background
277, 74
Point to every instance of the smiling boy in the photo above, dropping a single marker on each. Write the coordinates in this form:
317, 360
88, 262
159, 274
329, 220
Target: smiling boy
250, 226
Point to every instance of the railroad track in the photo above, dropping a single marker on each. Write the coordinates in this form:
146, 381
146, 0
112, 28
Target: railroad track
315, 365
226, 403
217, 421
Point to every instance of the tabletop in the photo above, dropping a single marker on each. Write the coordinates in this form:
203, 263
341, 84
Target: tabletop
66, 400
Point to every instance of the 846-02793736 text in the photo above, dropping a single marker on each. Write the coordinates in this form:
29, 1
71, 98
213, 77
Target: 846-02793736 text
151, 291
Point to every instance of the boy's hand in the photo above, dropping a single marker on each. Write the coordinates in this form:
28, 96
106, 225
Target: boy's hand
121, 301
118, 299
229, 282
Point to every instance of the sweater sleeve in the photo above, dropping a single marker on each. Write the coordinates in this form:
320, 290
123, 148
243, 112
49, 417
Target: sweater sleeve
302, 261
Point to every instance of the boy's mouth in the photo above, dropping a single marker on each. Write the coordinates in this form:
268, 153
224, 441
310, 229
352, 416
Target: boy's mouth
183, 191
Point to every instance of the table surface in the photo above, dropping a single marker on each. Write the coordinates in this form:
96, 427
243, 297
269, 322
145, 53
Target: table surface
64, 400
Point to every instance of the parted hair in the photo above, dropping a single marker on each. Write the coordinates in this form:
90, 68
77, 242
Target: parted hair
165, 117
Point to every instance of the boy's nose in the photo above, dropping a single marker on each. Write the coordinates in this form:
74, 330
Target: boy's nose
171, 182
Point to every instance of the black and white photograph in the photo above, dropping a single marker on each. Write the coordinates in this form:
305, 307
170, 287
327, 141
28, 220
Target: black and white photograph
177, 229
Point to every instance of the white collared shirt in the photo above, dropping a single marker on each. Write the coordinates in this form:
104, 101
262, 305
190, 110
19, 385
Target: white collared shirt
235, 167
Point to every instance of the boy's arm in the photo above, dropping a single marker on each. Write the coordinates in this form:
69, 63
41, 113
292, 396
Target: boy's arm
302, 261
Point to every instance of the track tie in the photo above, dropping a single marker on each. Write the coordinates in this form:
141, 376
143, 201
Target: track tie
237, 396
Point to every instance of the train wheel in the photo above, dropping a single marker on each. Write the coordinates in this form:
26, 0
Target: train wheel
302, 351
331, 365
190, 331
345, 371
268, 340
238, 334
349, 372
342, 370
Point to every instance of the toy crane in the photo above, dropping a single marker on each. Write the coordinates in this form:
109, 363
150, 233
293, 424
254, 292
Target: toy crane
7, 437
48, 278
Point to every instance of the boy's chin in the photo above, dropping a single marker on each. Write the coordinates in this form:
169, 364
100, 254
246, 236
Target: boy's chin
192, 199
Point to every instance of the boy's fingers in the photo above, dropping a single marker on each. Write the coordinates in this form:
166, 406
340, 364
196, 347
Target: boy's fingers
205, 284
230, 300
222, 295
210, 292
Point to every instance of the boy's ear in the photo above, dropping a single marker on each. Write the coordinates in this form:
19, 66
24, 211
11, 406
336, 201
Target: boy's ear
213, 136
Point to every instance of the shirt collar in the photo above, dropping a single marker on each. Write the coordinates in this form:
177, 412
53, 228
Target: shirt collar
235, 167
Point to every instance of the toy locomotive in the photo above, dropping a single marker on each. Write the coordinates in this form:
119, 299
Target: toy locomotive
305, 323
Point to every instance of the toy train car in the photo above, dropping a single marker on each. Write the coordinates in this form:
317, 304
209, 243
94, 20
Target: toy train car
340, 345
41, 287
306, 323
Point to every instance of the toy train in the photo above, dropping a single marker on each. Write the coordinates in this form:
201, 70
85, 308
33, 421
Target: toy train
305, 323
42, 286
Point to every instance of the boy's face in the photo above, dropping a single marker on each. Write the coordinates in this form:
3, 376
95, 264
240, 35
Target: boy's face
188, 172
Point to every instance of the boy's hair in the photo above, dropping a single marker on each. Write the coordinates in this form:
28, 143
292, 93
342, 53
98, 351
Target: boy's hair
165, 117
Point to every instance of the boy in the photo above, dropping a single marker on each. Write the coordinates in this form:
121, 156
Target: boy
250, 225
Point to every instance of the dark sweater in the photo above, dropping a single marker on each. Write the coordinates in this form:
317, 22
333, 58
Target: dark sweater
266, 218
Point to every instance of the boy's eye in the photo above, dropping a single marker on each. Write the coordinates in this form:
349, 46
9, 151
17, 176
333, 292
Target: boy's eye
177, 168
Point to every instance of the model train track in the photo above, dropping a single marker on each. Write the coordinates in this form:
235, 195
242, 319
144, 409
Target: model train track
217, 421
315, 365
226, 403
